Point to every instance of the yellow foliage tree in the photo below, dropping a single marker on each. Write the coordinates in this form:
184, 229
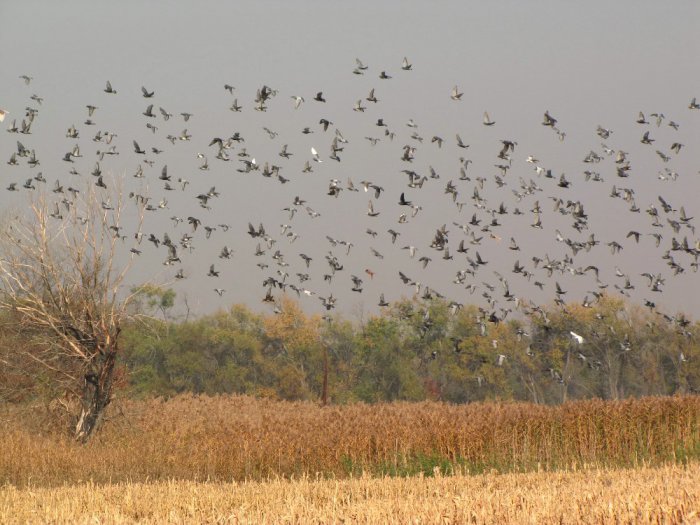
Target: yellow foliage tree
296, 339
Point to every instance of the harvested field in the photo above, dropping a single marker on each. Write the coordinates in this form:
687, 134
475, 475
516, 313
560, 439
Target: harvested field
668, 494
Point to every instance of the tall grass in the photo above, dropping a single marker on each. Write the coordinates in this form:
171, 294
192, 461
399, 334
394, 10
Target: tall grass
669, 494
236, 437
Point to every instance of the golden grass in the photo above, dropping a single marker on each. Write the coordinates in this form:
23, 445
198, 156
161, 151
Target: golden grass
669, 494
234, 438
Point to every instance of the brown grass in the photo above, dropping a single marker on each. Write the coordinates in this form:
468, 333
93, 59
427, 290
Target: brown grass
668, 494
231, 438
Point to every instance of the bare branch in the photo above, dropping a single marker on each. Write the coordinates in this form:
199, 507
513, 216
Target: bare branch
61, 282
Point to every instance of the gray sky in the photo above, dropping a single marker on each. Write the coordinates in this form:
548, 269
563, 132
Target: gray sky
598, 64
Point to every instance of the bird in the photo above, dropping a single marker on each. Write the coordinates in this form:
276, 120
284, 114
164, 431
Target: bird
360, 67
548, 120
109, 89
298, 101
370, 210
460, 143
138, 150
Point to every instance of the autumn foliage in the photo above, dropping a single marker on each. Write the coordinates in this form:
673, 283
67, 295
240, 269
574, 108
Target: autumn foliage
418, 350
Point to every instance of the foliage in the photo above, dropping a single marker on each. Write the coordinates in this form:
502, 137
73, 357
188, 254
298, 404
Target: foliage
419, 350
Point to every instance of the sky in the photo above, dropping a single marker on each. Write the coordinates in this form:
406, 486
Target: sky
591, 65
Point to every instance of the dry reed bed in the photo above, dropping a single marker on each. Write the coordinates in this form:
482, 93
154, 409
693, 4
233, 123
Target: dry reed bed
236, 437
668, 494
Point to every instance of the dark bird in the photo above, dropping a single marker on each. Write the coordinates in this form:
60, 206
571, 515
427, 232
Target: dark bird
138, 150
549, 120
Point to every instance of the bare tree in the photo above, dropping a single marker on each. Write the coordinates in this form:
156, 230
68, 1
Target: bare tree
62, 290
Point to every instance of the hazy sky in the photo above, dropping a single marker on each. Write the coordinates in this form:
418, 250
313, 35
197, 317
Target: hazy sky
591, 64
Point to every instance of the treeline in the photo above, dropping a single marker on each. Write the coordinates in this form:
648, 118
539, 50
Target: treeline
417, 350
414, 350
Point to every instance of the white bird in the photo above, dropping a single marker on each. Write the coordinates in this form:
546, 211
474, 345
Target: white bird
315, 154
370, 210
577, 337
2, 114
297, 101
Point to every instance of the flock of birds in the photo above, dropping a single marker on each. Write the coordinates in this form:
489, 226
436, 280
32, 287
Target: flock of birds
474, 203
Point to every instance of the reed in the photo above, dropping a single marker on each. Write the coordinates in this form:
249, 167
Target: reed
233, 438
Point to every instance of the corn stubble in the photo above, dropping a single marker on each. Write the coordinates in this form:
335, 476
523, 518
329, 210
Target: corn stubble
669, 494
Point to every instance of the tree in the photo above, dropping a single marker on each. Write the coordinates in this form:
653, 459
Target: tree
296, 341
149, 297
386, 371
61, 290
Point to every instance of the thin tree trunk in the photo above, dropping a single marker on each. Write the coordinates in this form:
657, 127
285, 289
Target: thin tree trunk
533, 389
565, 377
324, 394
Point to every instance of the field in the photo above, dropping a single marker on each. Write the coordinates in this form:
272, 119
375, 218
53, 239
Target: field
668, 494
235, 438
240, 459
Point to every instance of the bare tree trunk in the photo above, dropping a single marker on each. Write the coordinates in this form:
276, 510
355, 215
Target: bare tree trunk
324, 394
620, 391
565, 376
532, 386
96, 396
